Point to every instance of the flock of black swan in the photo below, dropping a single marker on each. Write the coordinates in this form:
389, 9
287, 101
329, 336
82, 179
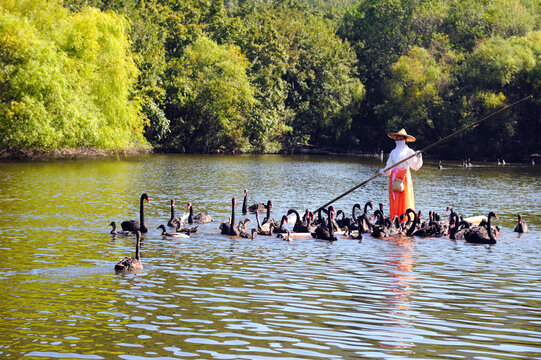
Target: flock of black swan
324, 225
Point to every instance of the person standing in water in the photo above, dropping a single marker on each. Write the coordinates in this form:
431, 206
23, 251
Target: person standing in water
401, 195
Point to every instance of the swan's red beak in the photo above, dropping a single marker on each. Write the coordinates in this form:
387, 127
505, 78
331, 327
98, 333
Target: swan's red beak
148, 200
496, 217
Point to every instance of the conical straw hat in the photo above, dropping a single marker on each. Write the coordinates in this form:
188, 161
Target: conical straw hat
403, 133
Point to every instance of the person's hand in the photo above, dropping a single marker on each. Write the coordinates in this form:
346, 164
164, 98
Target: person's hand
382, 171
419, 156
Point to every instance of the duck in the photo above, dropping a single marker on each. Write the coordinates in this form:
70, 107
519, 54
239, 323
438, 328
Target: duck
131, 263
133, 225
199, 218
521, 227
230, 228
243, 233
186, 229
119, 232
174, 221
478, 236
177, 234
286, 236
265, 229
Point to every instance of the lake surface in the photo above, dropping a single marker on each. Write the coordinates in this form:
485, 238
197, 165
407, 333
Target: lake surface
214, 297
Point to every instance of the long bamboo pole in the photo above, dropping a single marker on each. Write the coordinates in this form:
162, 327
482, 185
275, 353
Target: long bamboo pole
439, 142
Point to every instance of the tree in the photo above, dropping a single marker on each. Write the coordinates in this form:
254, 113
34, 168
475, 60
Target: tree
67, 79
213, 99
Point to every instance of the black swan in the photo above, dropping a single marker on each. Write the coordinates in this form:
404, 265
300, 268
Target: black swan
268, 218
477, 236
259, 207
245, 203
367, 225
131, 263
300, 226
199, 218
326, 232
415, 228
458, 228
281, 229
174, 221
384, 226
133, 225
319, 219
119, 232
230, 228
359, 226
431, 229
521, 227
178, 235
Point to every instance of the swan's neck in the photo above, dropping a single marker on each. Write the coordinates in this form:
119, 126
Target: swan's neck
232, 215
489, 229
245, 204
454, 229
331, 230
172, 211
142, 213
258, 222
298, 220
190, 217
137, 246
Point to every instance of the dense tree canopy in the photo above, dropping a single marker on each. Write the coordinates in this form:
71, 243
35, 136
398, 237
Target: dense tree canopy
67, 79
207, 76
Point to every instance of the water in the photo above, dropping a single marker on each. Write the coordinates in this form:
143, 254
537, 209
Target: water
212, 297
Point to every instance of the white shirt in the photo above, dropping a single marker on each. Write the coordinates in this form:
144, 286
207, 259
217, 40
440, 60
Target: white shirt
400, 152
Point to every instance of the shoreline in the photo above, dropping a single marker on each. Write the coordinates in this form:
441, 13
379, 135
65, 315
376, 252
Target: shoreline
30, 154
65, 153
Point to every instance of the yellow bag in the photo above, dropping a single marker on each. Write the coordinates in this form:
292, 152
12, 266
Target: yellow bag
398, 185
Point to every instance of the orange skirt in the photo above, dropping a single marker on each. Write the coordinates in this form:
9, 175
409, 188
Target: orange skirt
399, 202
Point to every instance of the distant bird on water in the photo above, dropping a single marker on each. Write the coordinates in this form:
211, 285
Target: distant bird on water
521, 227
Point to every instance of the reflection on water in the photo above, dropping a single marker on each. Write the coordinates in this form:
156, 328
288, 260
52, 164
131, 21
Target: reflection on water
215, 297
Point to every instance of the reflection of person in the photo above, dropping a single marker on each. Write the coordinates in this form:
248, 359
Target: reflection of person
400, 201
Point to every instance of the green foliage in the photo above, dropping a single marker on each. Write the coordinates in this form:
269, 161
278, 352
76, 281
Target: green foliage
67, 78
304, 74
214, 98
198, 76
442, 64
